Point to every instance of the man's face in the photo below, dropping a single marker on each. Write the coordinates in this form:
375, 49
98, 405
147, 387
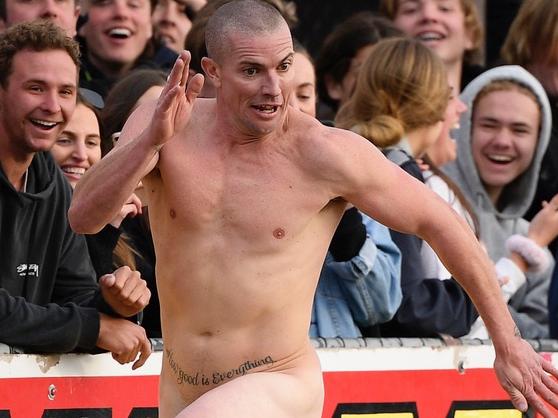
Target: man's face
63, 13
38, 100
172, 20
438, 24
304, 82
117, 31
504, 137
255, 80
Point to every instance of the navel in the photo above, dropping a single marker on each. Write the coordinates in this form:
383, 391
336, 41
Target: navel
172, 213
279, 233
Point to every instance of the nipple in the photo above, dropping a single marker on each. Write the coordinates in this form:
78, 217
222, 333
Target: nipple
279, 233
172, 213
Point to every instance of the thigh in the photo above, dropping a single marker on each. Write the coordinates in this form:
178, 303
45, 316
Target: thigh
264, 394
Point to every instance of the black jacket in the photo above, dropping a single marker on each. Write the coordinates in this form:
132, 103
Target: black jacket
48, 290
430, 306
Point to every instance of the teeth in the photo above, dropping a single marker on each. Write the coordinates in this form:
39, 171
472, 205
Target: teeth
500, 158
430, 36
120, 32
44, 123
267, 108
74, 170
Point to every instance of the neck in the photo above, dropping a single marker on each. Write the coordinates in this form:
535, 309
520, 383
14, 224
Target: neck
494, 194
109, 69
454, 70
14, 161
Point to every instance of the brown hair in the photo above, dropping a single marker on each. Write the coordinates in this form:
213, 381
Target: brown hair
401, 86
506, 85
533, 34
472, 23
35, 36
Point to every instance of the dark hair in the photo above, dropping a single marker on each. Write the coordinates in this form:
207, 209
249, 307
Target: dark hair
121, 101
35, 36
342, 45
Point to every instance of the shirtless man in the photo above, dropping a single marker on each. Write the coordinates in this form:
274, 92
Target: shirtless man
245, 193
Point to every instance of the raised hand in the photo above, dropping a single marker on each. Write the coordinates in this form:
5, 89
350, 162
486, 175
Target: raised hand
125, 291
528, 378
176, 101
544, 226
124, 339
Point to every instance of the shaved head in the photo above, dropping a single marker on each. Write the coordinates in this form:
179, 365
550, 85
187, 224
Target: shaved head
246, 17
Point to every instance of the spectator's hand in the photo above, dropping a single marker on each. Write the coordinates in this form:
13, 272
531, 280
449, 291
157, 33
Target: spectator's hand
176, 101
422, 165
523, 374
544, 226
124, 339
125, 291
131, 208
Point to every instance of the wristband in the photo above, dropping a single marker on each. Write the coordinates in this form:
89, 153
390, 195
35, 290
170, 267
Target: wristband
535, 256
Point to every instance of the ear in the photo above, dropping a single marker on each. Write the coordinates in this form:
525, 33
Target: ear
77, 10
333, 88
212, 71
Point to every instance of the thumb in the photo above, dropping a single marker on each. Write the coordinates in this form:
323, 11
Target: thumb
107, 281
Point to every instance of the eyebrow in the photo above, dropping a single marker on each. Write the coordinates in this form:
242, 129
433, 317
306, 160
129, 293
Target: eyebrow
259, 64
305, 85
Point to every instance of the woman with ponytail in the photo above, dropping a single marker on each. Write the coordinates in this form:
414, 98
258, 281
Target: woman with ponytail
399, 104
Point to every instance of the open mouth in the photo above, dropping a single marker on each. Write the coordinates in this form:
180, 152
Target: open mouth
76, 171
44, 124
119, 33
499, 159
430, 36
268, 109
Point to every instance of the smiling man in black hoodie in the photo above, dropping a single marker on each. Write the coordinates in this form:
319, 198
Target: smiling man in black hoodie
49, 298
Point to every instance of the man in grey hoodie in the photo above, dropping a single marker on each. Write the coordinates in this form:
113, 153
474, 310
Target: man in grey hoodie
501, 141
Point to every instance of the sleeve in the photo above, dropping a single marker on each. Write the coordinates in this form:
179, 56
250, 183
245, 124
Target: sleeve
430, 306
69, 320
529, 307
101, 248
370, 281
47, 329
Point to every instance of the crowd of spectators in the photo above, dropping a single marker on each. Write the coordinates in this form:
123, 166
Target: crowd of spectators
408, 75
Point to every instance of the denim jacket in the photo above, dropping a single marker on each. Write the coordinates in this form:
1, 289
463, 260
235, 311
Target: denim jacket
361, 292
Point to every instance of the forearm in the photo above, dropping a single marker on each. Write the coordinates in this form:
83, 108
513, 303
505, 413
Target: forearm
461, 253
50, 328
107, 185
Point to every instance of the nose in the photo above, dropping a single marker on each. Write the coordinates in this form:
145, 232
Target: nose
429, 11
502, 138
49, 10
120, 8
168, 14
79, 152
51, 102
293, 101
271, 86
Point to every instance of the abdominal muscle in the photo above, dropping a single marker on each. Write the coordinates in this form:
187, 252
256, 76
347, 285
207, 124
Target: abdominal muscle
231, 315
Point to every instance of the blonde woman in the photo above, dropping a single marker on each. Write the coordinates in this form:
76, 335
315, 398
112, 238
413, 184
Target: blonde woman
399, 104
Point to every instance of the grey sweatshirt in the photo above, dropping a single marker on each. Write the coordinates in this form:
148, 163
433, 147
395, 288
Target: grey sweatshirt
529, 305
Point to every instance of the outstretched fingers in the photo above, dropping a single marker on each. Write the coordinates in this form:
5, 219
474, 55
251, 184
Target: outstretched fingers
194, 87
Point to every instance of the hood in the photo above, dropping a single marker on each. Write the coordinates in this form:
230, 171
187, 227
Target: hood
40, 179
518, 195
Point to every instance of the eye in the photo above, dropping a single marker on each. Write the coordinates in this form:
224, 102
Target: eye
284, 66
35, 88
250, 72
63, 141
93, 142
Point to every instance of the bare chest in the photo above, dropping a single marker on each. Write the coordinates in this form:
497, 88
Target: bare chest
259, 197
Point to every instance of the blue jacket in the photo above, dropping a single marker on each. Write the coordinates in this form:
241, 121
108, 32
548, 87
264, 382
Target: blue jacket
361, 292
